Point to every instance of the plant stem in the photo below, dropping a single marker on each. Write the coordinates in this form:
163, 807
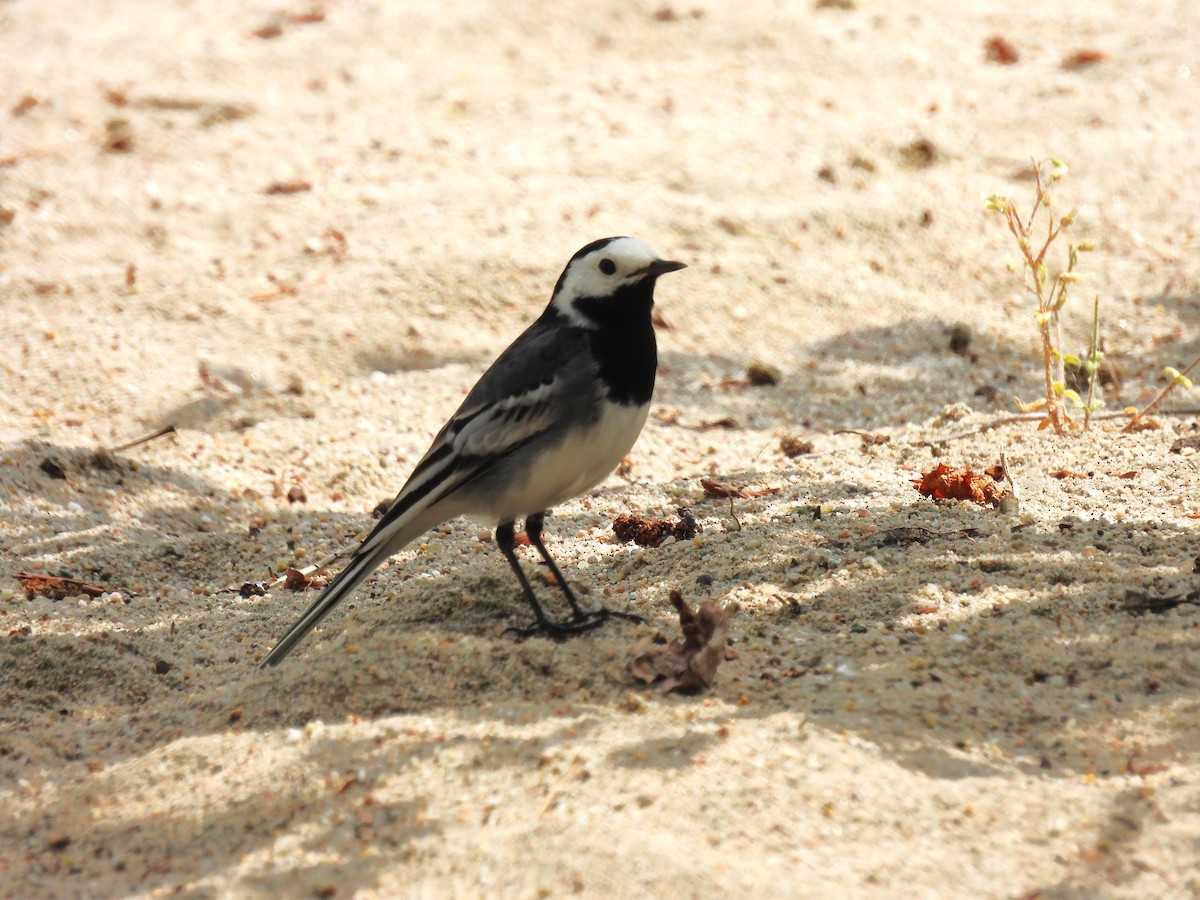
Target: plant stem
1138, 416
1049, 296
1092, 367
1047, 318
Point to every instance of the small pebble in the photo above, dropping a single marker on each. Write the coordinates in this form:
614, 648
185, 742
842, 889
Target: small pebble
761, 374
960, 337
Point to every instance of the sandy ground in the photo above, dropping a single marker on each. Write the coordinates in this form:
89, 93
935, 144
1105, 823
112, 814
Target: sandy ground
929, 699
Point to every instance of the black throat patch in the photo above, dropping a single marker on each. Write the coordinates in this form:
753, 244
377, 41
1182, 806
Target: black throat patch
623, 341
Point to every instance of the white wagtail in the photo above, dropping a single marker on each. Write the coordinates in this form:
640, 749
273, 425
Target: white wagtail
550, 419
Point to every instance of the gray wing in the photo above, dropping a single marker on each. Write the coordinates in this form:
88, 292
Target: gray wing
544, 379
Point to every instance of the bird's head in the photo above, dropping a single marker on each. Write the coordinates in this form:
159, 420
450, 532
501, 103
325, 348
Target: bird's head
606, 275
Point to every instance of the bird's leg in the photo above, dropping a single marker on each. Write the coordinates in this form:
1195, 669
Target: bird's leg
542, 624
506, 541
533, 529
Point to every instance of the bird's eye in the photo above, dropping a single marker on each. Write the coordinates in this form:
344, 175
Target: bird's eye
607, 266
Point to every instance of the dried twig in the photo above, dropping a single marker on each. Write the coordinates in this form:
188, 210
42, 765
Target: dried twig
1176, 378
868, 438
137, 442
1014, 419
1010, 503
718, 489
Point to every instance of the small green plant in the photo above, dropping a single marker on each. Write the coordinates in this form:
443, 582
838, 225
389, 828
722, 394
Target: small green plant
1139, 420
1095, 358
1034, 241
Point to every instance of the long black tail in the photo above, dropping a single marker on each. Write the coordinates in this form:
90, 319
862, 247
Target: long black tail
361, 566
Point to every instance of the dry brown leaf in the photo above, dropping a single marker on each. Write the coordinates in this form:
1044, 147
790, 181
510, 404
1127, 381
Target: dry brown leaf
689, 664
273, 28
998, 50
714, 488
308, 17
1135, 768
295, 186
652, 532
1183, 443
1081, 59
56, 588
330, 242
996, 472
295, 580
24, 105
1142, 423
118, 136
727, 422
791, 447
947, 483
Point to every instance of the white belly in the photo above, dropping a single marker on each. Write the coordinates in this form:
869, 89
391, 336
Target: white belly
576, 464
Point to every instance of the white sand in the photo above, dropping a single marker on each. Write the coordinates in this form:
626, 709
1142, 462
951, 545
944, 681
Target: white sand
972, 716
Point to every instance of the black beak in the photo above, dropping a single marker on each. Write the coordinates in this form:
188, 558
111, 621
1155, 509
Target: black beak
661, 267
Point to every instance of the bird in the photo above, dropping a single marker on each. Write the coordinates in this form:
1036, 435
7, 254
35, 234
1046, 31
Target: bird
550, 419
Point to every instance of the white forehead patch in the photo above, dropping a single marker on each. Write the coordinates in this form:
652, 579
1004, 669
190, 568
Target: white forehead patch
601, 272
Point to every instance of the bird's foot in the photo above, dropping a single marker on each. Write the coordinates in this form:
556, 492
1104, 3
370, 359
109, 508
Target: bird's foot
604, 613
580, 622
